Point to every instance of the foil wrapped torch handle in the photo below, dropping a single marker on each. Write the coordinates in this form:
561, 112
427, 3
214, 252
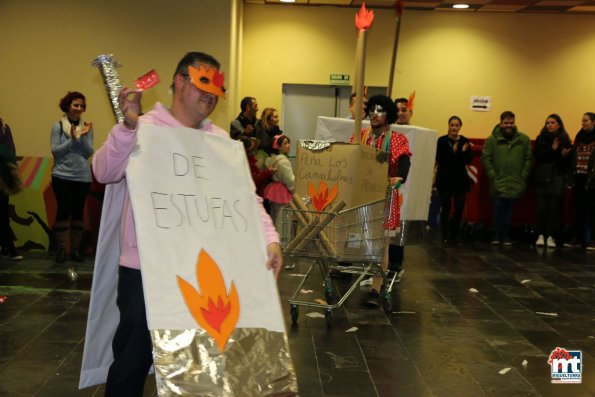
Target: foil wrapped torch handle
107, 66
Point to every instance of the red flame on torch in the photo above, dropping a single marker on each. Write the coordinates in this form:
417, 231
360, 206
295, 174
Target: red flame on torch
364, 18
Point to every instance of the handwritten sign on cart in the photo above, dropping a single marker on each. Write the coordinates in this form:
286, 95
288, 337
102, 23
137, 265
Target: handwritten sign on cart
360, 177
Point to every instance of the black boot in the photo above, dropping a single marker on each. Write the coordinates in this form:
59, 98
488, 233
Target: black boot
60, 254
61, 234
76, 236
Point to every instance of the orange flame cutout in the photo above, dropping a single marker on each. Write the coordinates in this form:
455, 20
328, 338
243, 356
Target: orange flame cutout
364, 18
322, 198
410, 101
220, 319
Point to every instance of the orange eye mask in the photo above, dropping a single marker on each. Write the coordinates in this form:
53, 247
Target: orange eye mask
207, 79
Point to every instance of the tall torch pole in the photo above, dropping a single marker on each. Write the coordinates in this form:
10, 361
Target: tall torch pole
363, 21
398, 14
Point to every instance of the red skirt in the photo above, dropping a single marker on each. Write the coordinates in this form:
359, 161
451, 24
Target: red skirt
277, 192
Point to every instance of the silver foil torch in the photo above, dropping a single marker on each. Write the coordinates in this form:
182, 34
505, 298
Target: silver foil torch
107, 66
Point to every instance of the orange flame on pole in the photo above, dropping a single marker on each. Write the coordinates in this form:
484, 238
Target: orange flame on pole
321, 198
410, 101
364, 18
216, 311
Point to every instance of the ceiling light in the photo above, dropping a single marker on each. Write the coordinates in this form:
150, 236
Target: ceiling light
287, 1
461, 6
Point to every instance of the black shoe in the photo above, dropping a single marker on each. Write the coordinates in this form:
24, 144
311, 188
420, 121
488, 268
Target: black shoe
373, 299
60, 255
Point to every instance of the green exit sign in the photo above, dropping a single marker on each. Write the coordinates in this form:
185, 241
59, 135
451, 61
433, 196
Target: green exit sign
339, 79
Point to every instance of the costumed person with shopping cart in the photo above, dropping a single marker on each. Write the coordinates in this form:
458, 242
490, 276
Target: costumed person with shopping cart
382, 112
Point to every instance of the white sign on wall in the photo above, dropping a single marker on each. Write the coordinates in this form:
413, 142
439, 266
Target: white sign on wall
481, 103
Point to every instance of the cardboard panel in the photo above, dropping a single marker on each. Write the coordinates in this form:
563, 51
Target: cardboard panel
361, 178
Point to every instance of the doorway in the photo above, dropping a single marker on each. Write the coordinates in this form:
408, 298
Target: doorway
303, 103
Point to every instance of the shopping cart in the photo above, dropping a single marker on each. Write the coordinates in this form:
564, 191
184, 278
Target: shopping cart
355, 237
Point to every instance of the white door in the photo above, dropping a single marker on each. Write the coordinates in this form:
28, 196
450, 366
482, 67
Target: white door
303, 103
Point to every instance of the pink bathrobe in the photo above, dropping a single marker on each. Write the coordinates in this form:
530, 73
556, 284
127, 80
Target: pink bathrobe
117, 240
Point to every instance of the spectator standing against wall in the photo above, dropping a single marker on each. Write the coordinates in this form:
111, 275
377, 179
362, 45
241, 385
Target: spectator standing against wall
590, 192
267, 128
246, 121
584, 147
453, 154
551, 151
506, 161
71, 142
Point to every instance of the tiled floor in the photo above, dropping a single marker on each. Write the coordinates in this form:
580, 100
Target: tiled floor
467, 321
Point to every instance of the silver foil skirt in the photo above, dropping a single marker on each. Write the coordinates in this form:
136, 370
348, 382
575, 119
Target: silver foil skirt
107, 66
256, 362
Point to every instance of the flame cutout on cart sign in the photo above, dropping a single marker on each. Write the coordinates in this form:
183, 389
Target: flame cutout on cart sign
322, 198
364, 18
215, 311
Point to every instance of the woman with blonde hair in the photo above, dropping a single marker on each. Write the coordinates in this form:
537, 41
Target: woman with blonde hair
267, 128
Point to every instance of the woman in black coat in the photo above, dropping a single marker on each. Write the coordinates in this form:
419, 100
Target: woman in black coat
584, 203
453, 153
551, 152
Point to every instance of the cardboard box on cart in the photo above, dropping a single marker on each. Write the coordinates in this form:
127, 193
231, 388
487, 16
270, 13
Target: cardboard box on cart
360, 179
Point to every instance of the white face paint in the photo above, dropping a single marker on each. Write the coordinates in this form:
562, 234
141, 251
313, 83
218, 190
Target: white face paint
378, 111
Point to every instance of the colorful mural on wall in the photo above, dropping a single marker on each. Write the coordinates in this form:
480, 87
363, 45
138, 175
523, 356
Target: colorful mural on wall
33, 210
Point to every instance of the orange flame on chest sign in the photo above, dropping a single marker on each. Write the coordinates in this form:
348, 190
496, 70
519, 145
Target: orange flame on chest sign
216, 311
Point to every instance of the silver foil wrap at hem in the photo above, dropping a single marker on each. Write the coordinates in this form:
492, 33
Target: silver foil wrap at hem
412, 232
107, 66
256, 362
315, 145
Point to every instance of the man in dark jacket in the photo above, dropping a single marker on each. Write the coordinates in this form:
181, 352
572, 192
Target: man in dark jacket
244, 124
506, 160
